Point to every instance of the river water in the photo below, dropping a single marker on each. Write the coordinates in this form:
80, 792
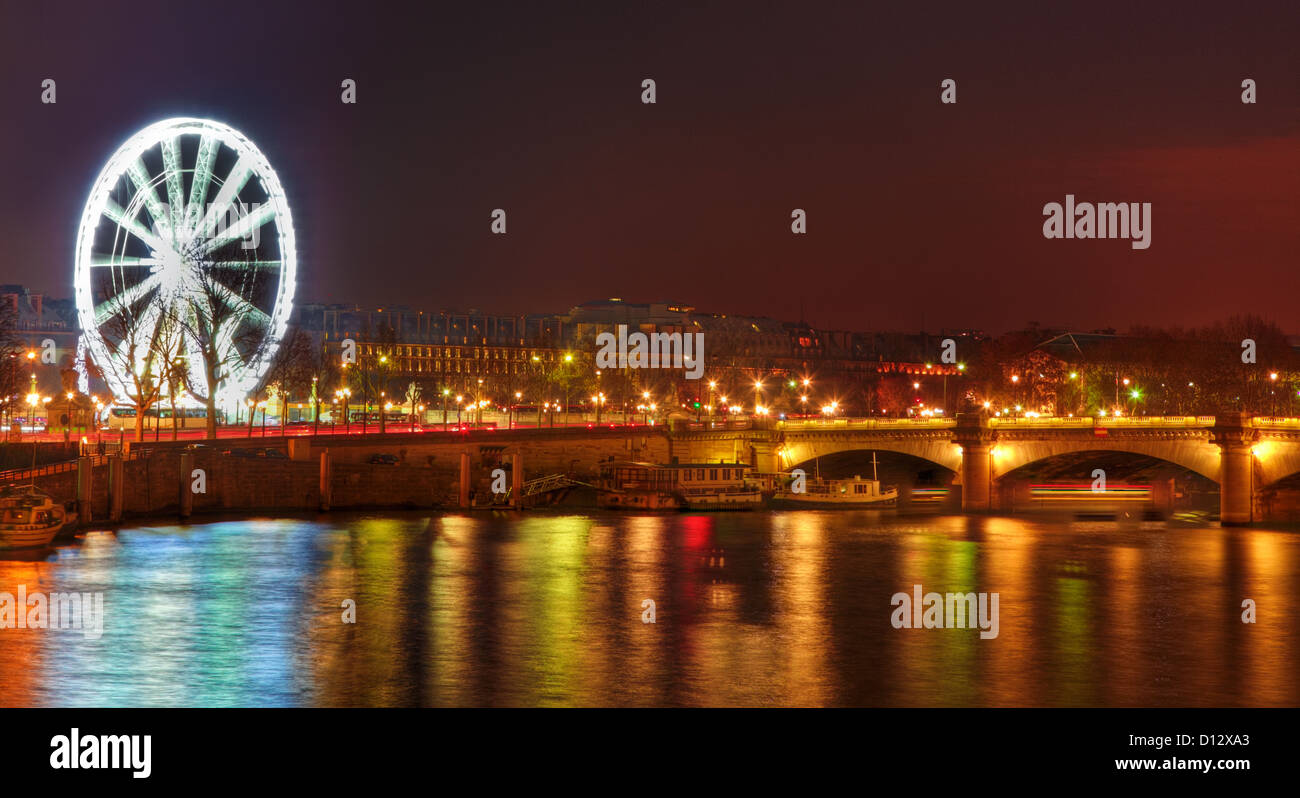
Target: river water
749, 609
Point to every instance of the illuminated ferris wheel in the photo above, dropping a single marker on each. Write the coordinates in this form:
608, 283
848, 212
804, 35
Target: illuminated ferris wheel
187, 235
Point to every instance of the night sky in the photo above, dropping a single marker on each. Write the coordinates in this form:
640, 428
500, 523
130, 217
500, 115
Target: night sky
919, 214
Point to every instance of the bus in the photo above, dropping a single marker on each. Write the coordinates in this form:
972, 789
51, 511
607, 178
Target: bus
120, 418
393, 418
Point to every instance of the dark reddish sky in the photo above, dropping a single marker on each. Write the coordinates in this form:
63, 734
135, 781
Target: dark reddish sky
919, 213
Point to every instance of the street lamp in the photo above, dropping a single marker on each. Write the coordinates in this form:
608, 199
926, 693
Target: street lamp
67, 429
33, 399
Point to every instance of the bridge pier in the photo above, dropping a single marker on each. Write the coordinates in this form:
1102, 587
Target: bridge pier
517, 481
326, 480
462, 497
187, 492
975, 437
1234, 435
767, 458
116, 487
85, 475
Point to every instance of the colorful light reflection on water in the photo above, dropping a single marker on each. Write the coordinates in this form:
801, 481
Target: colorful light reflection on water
751, 609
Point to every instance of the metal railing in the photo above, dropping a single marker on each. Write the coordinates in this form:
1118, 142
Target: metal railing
867, 423
63, 466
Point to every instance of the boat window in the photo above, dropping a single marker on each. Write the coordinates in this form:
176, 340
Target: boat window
726, 473
713, 473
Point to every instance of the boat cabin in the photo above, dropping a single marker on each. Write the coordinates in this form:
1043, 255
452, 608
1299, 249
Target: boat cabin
676, 476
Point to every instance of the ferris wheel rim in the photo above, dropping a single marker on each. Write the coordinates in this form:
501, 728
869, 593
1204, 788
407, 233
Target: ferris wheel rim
248, 372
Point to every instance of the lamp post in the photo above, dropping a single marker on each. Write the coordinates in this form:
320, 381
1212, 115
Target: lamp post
98, 433
67, 429
315, 408
32, 400
568, 358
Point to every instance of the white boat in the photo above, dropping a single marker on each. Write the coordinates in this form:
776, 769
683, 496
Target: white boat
29, 518
839, 493
853, 493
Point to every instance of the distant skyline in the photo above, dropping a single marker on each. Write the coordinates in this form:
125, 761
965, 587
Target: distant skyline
920, 215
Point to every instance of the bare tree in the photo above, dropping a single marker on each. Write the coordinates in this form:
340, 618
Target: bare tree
413, 394
369, 377
289, 373
222, 329
323, 373
140, 335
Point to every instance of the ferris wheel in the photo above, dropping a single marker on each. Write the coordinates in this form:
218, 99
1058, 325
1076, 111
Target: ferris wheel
187, 228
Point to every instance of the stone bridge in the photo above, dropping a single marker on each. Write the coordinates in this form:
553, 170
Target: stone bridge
1242, 454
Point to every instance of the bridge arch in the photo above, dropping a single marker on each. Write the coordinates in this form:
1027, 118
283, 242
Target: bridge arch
937, 449
1197, 455
1275, 459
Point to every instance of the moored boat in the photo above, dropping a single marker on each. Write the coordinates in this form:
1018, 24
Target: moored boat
693, 486
856, 493
29, 517
636, 486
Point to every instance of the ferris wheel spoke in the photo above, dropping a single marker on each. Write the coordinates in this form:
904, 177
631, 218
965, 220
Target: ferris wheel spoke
243, 228
97, 261
207, 155
235, 182
171, 154
240, 305
122, 302
115, 213
139, 175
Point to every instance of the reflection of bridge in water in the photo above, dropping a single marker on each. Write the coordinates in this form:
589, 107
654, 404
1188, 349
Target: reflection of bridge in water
1243, 455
